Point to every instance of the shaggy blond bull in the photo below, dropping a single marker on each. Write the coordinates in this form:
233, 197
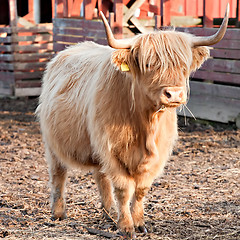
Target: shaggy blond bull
113, 110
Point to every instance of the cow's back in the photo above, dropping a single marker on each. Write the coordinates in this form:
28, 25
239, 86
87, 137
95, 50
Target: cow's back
67, 98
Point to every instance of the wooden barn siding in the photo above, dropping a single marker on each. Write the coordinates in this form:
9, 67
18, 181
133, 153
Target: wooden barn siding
24, 53
209, 100
69, 31
215, 87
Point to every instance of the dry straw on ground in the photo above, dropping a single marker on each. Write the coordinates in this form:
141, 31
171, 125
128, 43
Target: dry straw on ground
198, 196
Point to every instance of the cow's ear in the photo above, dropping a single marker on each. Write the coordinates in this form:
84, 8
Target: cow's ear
121, 59
200, 54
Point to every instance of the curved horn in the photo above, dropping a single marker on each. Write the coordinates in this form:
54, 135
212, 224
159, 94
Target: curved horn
210, 40
112, 42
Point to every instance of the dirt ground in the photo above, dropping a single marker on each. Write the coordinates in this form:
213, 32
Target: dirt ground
198, 196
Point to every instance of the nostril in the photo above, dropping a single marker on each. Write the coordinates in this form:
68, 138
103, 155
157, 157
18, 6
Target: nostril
181, 95
167, 94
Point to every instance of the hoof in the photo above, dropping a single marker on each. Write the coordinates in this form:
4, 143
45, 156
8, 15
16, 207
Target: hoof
129, 235
60, 217
142, 229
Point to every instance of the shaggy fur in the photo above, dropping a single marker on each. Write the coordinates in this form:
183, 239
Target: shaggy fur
93, 115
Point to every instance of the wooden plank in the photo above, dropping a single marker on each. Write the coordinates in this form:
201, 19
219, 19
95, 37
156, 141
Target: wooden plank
92, 24
222, 65
208, 8
150, 8
217, 90
81, 32
33, 47
6, 66
6, 57
221, 77
76, 8
22, 92
69, 39
138, 25
37, 29
59, 46
28, 84
6, 48
67, 22
68, 31
78, 23
226, 44
65, 8
4, 91
130, 12
29, 66
147, 22
184, 21
231, 34
226, 53
102, 41
116, 20
6, 83
32, 56
166, 12
7, 39
28, 75
7, 77
5, 30
89, 6
135, 22
13, 12
214, 102
34, 38
213, 108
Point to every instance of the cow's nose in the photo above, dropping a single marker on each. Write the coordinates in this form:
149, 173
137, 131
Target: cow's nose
174, 95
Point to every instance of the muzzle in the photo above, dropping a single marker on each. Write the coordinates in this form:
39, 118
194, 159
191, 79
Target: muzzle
173, 96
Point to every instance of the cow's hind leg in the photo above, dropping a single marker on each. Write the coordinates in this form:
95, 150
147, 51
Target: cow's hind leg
106, 192
58, 174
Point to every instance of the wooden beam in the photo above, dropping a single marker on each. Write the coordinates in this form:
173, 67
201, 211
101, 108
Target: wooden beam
135, 22
58, 8
65, 8
118, 19
166, 12
89, 6
53, 8
13, 12
208, 7
130, 11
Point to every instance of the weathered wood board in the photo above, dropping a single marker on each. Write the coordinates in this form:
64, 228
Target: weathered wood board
68, 31
24, 52
213, 102
224, 65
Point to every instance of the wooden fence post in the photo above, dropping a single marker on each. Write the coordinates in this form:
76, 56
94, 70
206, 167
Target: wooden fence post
165, 12
118, 21
13, 13
208, 7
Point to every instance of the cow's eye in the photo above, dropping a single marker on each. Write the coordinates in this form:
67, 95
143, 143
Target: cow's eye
147, 65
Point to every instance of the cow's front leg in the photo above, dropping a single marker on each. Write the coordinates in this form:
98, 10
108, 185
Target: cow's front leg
138, 208
124, 197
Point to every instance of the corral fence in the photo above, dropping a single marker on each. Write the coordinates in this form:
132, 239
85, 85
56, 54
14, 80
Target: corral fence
23, 56
215, 88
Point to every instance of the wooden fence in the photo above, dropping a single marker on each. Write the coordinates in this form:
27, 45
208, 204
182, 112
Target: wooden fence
23, 56
69, 31
215, 87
